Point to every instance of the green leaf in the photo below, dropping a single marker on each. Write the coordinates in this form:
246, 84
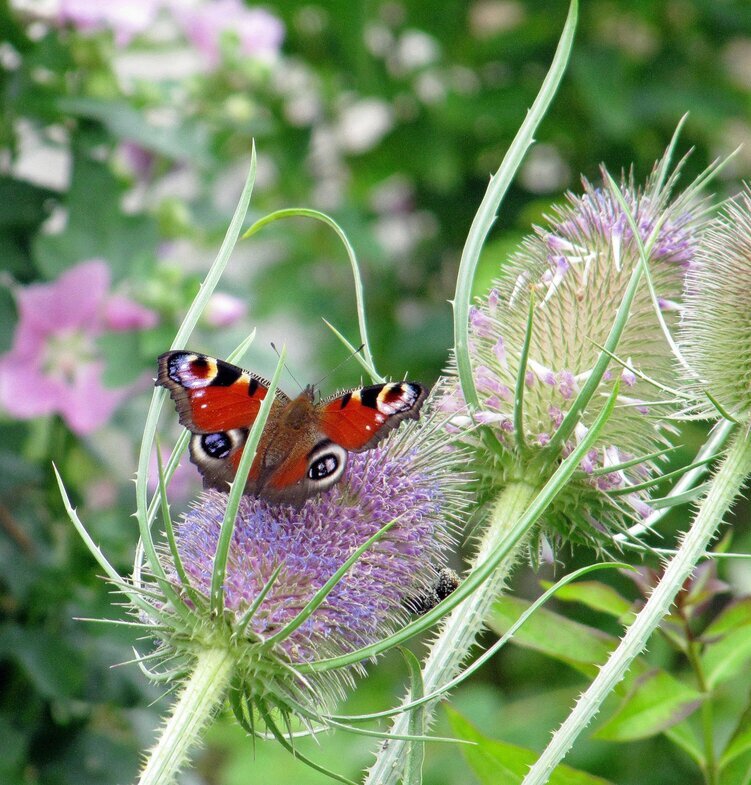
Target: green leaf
186, 141
738, 771
595, 595
581, 647
740, 742
15, 752
496, 762
55, 669
733, 616
23, 205
656, 702
684, 736
97, 226
728, 649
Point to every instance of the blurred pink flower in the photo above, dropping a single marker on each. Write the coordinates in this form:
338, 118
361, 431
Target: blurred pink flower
137, 159
184, 483
54, 365
260, 33
223, 310
125, 19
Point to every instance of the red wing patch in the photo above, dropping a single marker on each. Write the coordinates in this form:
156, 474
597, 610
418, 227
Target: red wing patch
359, 419
211, 395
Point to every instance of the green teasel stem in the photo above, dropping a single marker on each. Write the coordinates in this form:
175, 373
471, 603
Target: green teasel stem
460, 628
200, 699
723, 490
516, 510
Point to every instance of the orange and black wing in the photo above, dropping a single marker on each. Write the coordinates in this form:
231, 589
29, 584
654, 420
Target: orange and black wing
212, 396
218, 402
359, 419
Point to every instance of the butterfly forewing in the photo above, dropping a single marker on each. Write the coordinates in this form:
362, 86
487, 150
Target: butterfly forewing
359, 419
211, 395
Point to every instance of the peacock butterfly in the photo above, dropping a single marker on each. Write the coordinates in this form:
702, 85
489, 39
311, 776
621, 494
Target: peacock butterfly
303, 448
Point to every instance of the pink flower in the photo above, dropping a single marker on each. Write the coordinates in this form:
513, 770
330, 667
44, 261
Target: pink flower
125, 19
184, 482
54, 365
258, 32
223, 310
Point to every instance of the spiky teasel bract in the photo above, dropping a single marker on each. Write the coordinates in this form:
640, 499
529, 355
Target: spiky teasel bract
559, 295
281, 556
716, 323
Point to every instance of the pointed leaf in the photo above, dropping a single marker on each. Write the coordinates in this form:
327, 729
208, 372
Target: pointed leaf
738, 772
595, 595
656, 702
728, 650
684, 736
496, 762
740, 741
581, 647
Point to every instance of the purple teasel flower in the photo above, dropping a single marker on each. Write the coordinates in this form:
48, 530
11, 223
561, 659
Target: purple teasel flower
576, 270
280, 556
716, 320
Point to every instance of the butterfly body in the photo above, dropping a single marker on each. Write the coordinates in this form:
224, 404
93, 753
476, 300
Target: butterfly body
303, 448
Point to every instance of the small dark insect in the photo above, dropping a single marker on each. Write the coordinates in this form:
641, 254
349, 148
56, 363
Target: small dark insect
446, 581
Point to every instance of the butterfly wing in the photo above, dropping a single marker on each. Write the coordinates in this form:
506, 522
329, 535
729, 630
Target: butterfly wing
349, 422
218, 403
359, 419
211, 395
304, 447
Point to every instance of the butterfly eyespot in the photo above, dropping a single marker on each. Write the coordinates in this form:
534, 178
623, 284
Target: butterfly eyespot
323, 467
216, 445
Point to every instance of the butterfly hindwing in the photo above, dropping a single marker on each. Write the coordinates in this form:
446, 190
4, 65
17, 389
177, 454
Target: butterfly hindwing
359, 419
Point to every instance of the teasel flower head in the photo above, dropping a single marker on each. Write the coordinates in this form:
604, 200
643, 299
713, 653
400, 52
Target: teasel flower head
716, 322
281, 556
558, 296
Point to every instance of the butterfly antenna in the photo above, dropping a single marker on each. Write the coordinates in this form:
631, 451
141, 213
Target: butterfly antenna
286, 368
337, 367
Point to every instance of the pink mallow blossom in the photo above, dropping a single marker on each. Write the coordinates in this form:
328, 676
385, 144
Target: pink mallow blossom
124, 19
54, 364
224, 310
258, 32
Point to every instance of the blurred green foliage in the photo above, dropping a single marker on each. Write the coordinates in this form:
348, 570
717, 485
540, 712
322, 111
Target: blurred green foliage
390, 116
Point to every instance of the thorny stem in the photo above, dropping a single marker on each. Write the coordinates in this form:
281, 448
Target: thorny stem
199, 700
459, 629
726, 486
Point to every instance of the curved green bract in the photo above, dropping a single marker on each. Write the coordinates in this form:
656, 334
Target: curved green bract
304, 212
487, 212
